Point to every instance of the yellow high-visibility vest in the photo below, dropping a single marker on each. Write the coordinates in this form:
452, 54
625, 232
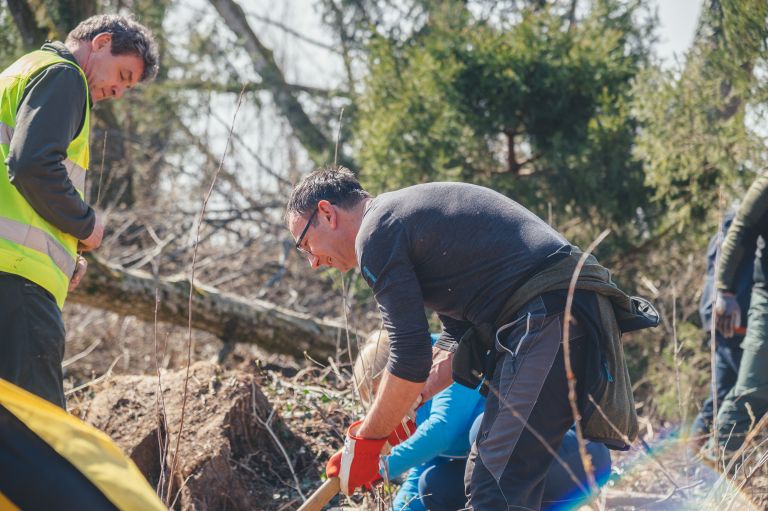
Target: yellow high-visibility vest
30, 246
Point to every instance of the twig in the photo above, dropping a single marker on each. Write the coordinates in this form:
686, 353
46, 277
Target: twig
670, 495
676, 361
87, 351
96, 380
586, 459
647, 449
101, 172
715, 440
748, 440
295, 33
306, 355
339, 434
626, 440
162, 429
338, 138
335, 368
538, 437
275, 439
192, 292
178, 492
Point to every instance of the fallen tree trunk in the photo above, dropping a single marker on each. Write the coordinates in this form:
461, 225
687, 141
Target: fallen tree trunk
229, 317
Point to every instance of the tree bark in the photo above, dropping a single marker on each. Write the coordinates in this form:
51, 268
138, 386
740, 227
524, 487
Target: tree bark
32, 35
229, 317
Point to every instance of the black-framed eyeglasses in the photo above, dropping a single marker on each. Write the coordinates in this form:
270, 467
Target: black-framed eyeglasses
304, 233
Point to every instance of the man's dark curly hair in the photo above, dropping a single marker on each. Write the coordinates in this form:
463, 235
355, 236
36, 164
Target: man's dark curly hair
337, 185
128, 37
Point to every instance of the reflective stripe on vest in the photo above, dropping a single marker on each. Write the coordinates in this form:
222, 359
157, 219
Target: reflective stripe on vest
75, 172
6, 134
36, 239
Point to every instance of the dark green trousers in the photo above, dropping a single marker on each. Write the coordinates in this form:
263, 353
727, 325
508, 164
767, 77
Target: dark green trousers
31, 338
747, 401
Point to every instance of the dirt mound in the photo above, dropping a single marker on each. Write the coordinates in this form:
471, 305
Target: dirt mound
233, 447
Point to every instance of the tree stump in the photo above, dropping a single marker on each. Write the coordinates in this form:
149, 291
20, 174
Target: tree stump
227, 457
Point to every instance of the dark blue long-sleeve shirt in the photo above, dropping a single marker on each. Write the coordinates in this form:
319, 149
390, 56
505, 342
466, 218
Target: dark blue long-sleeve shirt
458, 249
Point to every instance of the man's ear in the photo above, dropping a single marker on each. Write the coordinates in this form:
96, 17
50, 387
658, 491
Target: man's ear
102, 41
328, 211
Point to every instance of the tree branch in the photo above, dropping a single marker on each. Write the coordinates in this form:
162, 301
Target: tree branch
235, 88
230, 318
32, 34
317, 144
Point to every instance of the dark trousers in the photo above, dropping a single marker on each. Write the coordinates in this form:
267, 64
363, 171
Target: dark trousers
727, 359
31, 338
747, 401
440, 487
508, 464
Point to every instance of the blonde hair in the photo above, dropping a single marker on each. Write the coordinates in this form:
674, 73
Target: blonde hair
370, 364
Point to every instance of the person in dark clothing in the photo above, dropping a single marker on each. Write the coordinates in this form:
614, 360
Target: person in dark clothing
747, 401
497, 277
727, 349
44, 220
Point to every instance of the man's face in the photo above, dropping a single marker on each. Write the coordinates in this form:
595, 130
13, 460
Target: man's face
323, 243
109, 76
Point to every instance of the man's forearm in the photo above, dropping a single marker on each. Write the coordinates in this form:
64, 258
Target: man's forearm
440, 376
394, 399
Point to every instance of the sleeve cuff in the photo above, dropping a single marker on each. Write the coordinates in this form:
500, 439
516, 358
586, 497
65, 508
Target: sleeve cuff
446, 345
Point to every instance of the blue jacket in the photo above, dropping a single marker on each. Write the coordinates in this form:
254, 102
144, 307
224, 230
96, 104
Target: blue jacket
443, 425
442, 429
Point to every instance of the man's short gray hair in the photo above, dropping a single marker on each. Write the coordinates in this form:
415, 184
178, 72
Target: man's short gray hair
128, 37
337, 185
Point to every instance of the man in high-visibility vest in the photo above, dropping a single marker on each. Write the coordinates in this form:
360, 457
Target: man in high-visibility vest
45, 102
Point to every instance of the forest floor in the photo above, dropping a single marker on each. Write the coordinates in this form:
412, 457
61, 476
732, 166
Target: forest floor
305, 408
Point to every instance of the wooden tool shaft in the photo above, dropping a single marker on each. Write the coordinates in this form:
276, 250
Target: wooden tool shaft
322, 495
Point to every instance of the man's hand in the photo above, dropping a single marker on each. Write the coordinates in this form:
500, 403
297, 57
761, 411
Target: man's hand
80, 268
727, 313
411, 414
439, 376
93, 241
357, 464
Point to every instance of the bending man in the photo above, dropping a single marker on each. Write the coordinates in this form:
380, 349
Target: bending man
497, 276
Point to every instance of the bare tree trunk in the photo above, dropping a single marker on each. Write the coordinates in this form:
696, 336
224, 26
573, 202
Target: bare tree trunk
230, 318
32, 34
317, 144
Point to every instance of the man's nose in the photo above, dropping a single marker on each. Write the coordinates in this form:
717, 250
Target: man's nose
117, 92
314, 261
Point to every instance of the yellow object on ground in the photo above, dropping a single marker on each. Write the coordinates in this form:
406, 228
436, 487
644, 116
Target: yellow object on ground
49, 457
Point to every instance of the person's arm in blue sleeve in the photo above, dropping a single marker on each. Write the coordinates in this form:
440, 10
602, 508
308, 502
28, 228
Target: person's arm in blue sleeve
449, 420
